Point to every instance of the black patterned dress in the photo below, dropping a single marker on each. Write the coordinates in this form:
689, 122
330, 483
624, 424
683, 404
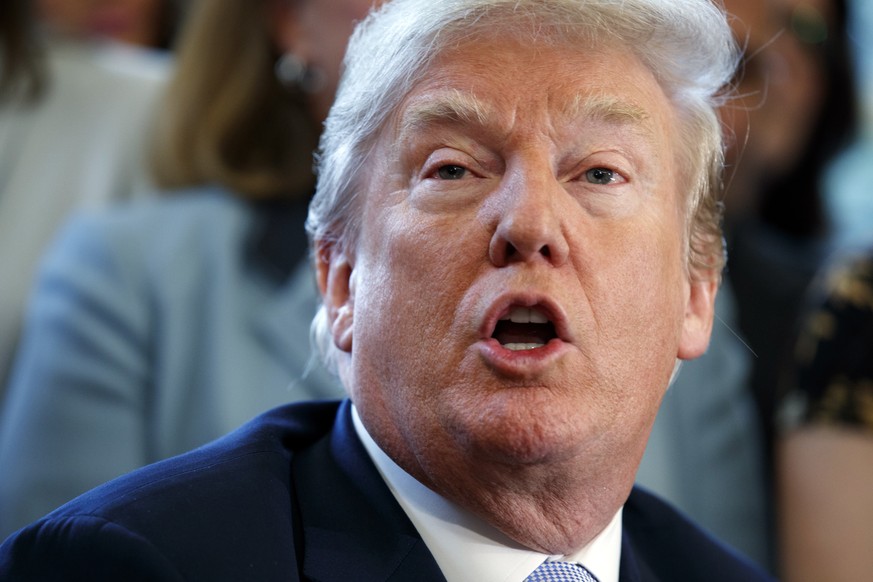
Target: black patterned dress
831, 378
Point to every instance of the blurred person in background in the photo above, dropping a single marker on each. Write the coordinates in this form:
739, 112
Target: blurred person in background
161, 325
710, 448
798, 110
824, 443
825, 449
75, 112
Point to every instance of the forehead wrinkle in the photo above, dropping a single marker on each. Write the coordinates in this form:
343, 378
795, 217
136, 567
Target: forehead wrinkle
453, 106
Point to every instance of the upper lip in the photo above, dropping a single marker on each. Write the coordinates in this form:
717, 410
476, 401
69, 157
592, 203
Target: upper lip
545, 305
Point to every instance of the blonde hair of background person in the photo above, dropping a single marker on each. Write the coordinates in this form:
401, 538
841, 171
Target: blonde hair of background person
226, 118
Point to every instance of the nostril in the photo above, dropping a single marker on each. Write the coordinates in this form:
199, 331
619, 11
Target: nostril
511, 251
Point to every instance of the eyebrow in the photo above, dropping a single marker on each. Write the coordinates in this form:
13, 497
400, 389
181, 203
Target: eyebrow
454, 107
465, 108
607, 108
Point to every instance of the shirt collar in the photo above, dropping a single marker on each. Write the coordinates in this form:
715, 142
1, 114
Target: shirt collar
465, 547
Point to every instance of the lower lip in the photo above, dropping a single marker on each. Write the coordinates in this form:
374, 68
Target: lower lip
520, 363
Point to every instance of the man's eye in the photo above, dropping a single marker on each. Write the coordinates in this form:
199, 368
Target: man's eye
451, 172
600, 176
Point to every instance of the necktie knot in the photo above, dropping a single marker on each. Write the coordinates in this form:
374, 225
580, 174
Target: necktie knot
560, 572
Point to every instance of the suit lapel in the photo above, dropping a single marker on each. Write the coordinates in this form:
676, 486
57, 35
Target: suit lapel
352, 527
632, 568
640, 556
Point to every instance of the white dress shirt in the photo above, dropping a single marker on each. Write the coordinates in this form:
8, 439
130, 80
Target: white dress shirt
469, 550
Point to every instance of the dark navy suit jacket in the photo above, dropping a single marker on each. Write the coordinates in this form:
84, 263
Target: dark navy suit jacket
293, 496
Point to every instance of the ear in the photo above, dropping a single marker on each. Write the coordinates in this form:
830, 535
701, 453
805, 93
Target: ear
699, 313
336, 282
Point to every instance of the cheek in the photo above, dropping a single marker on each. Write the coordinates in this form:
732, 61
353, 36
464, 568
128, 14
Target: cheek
415, 270
641, 287
435, 252
634, 288
404, 345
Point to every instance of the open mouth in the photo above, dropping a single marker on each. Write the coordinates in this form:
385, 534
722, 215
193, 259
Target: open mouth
524, 328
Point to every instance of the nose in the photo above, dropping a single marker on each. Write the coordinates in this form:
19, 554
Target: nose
529, 226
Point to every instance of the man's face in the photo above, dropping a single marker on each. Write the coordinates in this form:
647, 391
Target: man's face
518, 294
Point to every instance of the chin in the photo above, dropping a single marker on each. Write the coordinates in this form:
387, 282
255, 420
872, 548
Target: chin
515, 427
524, 448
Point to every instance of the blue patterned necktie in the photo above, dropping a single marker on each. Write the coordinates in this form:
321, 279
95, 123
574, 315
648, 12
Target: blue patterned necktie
560, 572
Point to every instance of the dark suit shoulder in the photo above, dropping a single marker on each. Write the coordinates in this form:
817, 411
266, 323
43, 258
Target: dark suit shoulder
220, 512
662, 544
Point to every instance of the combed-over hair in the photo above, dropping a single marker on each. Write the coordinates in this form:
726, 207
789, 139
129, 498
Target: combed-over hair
687, 44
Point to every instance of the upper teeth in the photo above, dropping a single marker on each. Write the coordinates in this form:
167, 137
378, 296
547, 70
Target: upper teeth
525, 315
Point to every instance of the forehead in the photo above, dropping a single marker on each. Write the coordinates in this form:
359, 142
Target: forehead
499, 81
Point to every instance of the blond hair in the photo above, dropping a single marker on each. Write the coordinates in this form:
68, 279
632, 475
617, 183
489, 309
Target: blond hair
226, 119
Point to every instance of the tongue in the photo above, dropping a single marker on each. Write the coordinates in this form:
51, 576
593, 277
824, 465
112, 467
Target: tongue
508, 332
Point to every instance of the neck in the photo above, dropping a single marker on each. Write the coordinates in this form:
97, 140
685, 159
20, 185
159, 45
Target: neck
546, 509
